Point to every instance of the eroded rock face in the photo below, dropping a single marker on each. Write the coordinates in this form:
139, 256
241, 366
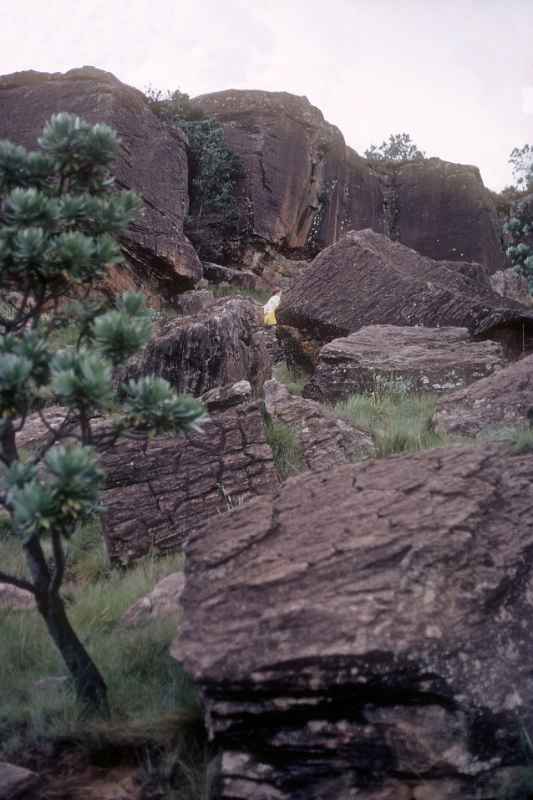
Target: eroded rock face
304, 188
325, 441
153, 162
504, 398
219, 345
387, 357
367, 279
365, 632
159, 492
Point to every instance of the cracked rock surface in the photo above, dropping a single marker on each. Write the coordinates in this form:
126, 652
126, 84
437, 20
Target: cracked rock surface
434, 360
504, 398
366, 632
159, 492
215, 346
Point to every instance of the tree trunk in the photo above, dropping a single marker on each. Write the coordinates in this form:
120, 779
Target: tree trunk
91, 689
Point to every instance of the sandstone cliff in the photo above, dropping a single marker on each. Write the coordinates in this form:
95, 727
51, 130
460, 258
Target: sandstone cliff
304, 188
153, 163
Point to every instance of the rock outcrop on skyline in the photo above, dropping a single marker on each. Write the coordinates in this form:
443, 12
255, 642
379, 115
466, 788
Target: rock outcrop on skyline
304, 188
153, 162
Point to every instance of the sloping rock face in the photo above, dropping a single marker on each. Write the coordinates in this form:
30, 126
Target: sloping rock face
366, 633
15, 781
221, 344
159, 492
325, 441
505, 398
366, 279
153, 162
431, 360
304, 188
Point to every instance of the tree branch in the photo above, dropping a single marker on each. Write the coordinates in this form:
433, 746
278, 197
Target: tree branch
20, 583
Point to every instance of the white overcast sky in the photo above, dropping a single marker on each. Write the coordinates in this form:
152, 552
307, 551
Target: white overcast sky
456, 74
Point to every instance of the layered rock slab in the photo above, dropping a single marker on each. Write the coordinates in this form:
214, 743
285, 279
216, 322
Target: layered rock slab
160, 258
381, 358
366, 279
502, 399
160, 491
324, 440
369, 627
221, 343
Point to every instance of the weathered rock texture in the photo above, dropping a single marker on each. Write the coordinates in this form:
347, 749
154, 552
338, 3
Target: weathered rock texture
432, 360
221, 344
303, 188
159, 492
153, 162
243, 279
504, 398
366, 632
366, 279
15, 781
324, 440
162, 601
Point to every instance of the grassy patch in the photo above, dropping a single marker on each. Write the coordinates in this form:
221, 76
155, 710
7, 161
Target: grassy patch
294, 380
286, 450
144, 682
398, 423
259, 295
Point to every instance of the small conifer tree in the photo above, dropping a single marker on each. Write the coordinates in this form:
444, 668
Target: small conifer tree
59, 216
519, 227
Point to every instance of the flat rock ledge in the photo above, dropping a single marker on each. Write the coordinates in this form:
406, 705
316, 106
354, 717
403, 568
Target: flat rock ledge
504, 398
366, 632
382, 358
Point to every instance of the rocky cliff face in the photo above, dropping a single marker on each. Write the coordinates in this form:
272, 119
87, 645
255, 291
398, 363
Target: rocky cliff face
153, 162
304, 188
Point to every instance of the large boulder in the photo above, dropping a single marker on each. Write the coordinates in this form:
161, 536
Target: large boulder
367, 279
220, 344
160, 491
502, 399
324, 440
303, 188
388, 357
365, 632
153, 162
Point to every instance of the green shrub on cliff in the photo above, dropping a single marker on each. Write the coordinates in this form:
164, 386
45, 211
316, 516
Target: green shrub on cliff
519, 228
214, 169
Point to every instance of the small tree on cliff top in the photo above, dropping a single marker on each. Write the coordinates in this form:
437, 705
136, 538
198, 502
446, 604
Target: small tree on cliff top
519, 227
58, 220
399, 147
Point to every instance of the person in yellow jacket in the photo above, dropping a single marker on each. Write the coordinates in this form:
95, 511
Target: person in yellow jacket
270, 308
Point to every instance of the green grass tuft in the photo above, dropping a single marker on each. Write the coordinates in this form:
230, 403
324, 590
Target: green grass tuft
398, 422
286, 450
294, 380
